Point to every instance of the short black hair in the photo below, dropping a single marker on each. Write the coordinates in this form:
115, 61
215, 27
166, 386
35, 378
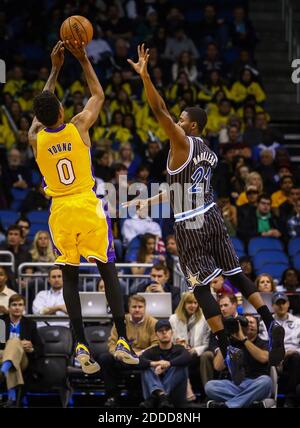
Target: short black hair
46, 108
198, 115
264, 196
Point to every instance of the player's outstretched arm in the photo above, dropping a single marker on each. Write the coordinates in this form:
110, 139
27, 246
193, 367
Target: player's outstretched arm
57, 60
174, 132
90, 113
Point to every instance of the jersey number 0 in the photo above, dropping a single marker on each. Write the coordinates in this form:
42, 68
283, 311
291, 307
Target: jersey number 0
65, 171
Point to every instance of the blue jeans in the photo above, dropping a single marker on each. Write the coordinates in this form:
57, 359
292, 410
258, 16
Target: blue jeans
242, 395
173, 382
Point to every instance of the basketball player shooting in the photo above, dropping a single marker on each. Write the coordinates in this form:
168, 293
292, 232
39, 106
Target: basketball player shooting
204, 252
78, 222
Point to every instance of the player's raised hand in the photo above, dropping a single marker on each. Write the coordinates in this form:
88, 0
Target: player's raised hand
77, 49
143, 57
58, 55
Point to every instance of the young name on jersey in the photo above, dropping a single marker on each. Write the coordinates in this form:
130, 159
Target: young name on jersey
60, 147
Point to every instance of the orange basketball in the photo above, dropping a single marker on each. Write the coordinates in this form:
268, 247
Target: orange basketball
78, 28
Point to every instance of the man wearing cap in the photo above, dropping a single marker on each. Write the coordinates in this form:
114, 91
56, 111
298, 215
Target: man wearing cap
290, 378
164, 379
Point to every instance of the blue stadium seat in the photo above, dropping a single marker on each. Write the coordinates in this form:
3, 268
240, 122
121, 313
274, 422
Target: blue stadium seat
36, 227
262, 244
18, 197
274, 269
266, 257
133, 249
294, 247
296, 261
8, 218
238, 246
38, 216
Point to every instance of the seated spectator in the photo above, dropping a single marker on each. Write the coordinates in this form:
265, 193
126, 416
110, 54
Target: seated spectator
185, 63
212, 85
42, 251
252, 194
290, 377
259, 221
146, 254
18, 176
281, 196
267, 170
139, 329
190, 330
159, 283
114, 25
244, 61
179, 43
211, 61
25, 225
256, 385
262, 135
247, 86
51, 302
102, 168
23, 346
288, 208
247, 267
265, 283
165, 374
229, 214
138, 225
182, 86
39, 84
13, 243
129, 159
5, 291
293, 223
116, 83
172, 257
290, 281
253, 179
15, 81
98, 50
219, 119
241, 30
210, 28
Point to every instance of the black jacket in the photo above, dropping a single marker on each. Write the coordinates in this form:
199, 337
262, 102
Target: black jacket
178, 356
28, 331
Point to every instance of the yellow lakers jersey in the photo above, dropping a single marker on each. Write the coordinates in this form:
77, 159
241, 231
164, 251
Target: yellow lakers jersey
64, 161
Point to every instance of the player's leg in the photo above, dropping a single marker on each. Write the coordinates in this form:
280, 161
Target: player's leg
95, 242
200, 269
225, 256
61, 221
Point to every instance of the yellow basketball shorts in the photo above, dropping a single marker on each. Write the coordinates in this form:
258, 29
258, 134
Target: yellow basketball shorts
80, 226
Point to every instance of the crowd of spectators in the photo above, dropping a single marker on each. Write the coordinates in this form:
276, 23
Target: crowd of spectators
202, 54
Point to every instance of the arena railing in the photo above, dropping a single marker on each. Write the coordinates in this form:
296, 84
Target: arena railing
31, 283
10, 263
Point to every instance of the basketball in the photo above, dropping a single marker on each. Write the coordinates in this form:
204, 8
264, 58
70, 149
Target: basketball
78, 28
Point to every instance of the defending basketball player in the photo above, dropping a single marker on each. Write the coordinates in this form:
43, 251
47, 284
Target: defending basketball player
78, 222
205, 252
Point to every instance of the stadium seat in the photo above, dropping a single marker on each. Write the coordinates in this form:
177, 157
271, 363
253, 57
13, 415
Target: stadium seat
51, 368
38, 216
266, 257
296, 261
36, 227
238, 246
8, 218
264, 243
18, 197
274, 269
97, 337
133, 249
294, 247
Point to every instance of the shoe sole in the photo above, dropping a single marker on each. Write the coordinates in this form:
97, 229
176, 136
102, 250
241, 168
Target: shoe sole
86, 365
277, 352
126, 358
